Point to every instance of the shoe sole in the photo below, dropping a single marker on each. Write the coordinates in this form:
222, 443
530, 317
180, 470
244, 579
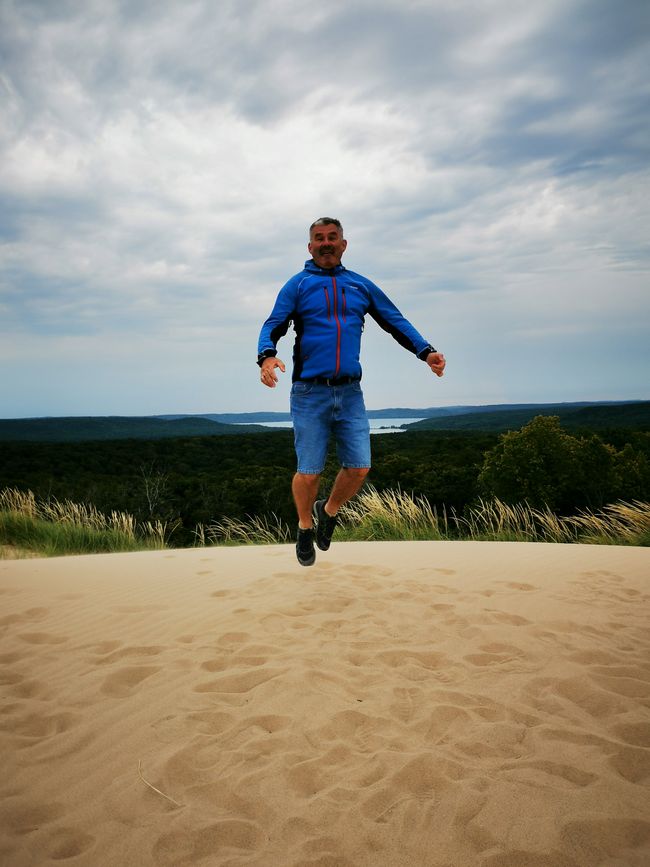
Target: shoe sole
326, 546
307, 562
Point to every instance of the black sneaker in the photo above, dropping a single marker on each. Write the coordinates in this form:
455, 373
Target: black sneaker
324, 525
305, 547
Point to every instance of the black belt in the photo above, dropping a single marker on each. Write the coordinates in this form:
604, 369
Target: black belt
333, 380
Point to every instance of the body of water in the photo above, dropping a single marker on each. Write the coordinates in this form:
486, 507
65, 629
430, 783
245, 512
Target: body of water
377, 425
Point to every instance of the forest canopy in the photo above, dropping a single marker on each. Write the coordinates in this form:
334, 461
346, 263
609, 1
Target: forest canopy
197, 480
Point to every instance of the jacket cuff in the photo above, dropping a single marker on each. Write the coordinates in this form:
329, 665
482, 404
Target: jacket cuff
268, 353
425, 352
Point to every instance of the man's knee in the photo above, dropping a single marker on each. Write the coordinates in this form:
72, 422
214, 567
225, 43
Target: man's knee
358, 473
306, 479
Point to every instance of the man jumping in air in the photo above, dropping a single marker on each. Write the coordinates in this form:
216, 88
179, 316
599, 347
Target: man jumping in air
327, 305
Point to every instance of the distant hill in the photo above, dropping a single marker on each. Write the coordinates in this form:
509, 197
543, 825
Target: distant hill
591, 416
238, 418
490, 418
399, 411
79, 429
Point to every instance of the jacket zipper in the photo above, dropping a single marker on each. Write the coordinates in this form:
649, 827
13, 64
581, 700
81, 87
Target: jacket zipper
338, 328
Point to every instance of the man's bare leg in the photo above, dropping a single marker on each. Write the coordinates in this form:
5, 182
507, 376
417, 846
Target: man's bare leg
347, 483
305, 488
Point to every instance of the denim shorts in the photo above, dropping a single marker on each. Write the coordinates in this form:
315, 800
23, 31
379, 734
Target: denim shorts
320, 411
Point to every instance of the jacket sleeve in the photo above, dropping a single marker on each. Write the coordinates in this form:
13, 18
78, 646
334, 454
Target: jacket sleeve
277, 325
388, 317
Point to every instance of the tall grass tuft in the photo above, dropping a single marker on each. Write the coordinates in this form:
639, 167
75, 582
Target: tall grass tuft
54, 528
252, 531
616, 524
396, 515
494, 520
390, 515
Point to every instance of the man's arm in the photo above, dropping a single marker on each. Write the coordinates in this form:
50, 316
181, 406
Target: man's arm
388, 317
275, 327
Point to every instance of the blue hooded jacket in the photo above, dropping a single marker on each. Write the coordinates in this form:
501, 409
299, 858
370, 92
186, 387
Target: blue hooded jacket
327, 309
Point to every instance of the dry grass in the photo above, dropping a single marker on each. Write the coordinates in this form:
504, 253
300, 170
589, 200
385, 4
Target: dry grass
390, 515
397, 515
253, 531
616, 524
54, 526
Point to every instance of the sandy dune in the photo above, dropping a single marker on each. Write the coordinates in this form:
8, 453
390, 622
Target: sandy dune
442, 704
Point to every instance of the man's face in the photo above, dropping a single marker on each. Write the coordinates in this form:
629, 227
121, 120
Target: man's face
327, 245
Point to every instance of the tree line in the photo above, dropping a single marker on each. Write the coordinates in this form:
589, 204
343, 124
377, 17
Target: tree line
198, 480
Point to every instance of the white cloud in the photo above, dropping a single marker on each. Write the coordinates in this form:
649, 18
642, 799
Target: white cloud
158, 173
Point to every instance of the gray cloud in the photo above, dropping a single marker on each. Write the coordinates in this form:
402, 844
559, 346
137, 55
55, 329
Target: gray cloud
159, 164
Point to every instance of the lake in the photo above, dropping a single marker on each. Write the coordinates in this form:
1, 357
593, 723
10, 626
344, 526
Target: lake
377, 425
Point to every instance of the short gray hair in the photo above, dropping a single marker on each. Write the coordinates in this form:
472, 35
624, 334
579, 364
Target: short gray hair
326, 221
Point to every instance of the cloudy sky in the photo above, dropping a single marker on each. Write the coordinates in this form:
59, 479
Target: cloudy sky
161, 161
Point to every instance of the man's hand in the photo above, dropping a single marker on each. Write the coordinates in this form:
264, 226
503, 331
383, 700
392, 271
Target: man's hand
268, 375
437, 363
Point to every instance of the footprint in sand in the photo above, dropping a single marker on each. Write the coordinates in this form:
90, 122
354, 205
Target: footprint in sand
351, 726
518, 585
239, 683
211, 722
444, 718
403, 706
637, 734
399, 658
511, 619
38, 726
123, 683
181, 847
29, 616
440, 588
25, 818
419, 783
233, 639
631, 762
221, 663
127, 652
65, 843
103, 647
611, 841
22, 687
42, 638
560, 775
322, 852
495, 654
622, 680
551, 695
